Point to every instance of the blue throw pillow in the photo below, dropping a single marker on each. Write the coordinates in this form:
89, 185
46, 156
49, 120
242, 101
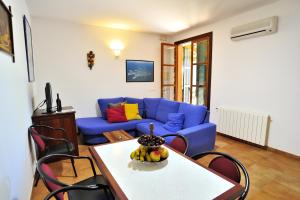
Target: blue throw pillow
175, 122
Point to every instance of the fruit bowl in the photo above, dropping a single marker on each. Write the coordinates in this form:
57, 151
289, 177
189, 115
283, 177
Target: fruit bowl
150, 150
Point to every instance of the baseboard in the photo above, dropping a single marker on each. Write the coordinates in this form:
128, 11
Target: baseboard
283, 153
242, 141
262, 147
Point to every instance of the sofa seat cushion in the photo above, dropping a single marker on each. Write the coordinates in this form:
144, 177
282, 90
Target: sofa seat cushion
140, 102
151, 105
193, 114
103, 104
159, 130
164, 108
97, 125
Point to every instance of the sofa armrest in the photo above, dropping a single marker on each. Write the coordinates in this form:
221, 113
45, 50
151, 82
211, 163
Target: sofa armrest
201, 138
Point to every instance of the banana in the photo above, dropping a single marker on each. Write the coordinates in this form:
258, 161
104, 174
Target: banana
142, 158
132, 155
136, 157
137, 152
148, 158
143, 152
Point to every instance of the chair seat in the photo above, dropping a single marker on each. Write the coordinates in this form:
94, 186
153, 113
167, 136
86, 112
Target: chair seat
61, 148
90, 194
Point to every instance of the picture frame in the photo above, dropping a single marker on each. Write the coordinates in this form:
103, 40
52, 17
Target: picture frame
139, 71
29, 49
6, 30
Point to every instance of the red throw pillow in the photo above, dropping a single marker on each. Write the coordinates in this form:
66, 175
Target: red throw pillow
116, 114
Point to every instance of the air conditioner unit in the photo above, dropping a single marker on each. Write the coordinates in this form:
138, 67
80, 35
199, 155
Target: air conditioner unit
254, 29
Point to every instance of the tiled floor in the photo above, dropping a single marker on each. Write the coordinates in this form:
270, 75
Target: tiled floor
272, 175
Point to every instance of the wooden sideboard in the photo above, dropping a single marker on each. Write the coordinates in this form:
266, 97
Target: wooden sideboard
64, 119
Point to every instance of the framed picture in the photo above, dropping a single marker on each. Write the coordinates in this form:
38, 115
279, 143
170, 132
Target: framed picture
6, 32
29, 51
139, 71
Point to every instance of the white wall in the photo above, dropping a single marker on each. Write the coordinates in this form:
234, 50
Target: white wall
260, 74
16, 171
61, 49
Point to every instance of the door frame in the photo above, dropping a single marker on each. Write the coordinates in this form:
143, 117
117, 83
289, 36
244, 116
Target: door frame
195, 38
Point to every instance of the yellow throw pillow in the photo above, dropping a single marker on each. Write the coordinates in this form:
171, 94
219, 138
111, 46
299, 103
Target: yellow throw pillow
132, 111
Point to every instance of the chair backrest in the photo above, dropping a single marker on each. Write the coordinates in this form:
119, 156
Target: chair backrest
48, 176
229, 167
37, 139
226, 167
56, 187
179, 142
46, 170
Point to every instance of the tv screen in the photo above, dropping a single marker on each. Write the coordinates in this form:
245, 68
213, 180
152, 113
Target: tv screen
48, 94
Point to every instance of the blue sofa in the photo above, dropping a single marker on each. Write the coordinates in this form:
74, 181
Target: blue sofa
196, 128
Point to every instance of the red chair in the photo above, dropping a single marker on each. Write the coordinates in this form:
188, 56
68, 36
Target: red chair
179, 142
43, 148
93, 188
229, 167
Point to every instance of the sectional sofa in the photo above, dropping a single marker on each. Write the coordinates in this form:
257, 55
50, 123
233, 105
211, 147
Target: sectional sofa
199, 132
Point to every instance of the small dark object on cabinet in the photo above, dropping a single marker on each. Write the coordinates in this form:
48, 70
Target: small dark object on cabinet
48, 94
58, 104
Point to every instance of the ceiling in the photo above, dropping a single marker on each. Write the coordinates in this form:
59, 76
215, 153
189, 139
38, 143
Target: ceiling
156, 16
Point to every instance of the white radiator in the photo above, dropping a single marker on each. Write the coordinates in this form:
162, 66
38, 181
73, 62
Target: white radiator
248, 126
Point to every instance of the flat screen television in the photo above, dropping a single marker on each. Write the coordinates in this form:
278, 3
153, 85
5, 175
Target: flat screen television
48, 94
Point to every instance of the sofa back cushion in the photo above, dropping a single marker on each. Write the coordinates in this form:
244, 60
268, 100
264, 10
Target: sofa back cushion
164, 108
193, 114
140, 102
151, 105
103, 104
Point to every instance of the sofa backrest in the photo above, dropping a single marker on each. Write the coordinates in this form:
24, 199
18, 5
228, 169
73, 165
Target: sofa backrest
193, 114
151, 105
159, 108
164, 108
103, 103
206, 120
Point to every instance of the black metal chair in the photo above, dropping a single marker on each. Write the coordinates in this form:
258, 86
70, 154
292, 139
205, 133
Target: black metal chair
179, 143
92, 188
44, 148
229, 167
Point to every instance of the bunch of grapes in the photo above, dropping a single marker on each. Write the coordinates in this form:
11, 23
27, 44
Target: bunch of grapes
151, 140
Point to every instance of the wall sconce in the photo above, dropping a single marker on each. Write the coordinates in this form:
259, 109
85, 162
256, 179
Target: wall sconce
117, 46
91, 59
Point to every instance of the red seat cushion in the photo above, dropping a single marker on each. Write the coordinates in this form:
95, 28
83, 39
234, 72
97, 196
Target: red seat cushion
38, 140
226, 167
116, 114
52, 186
178, 144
